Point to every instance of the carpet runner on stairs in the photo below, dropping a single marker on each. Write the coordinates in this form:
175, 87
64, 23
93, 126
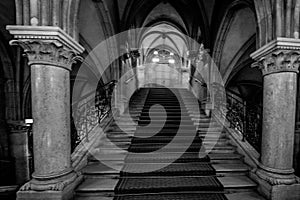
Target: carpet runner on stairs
187, 176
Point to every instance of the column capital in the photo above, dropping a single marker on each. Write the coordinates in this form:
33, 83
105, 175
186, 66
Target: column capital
280, 55
46, 45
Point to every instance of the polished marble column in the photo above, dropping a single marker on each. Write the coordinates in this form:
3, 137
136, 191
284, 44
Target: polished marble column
51, 54
279, 105
279, 62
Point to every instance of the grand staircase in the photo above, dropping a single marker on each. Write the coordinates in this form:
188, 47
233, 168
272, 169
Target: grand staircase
164, 157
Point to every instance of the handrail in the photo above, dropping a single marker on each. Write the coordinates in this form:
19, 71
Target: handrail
130, 79
244, 116
198, 80
93, 92
89, 111
241, 98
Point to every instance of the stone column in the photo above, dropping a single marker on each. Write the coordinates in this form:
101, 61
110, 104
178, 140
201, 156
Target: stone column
51, 53
279, 62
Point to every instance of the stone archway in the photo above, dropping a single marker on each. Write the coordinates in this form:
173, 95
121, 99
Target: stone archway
225, 27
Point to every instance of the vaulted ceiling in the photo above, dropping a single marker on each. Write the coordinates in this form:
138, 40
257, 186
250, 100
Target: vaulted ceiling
227, 28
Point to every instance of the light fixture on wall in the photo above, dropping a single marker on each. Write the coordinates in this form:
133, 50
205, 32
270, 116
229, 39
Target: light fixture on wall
155, 60
171, 61
28, 122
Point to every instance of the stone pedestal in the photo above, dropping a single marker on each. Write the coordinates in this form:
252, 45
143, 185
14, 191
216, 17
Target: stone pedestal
279, 62
51, 54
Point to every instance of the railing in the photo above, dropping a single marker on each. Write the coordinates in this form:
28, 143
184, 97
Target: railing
89, 111
243, 116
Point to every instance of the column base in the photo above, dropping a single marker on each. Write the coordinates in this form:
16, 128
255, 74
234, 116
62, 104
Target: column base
274, 188
62, 189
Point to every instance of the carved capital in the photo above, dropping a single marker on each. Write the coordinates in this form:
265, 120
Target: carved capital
279, 61
46, 45
280, 55
47, 53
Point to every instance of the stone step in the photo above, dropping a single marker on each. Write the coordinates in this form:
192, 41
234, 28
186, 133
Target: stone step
98, 169
166, 126
127, 128
218, 158
171, 149
164, 117
177, 114
190, 132
123, 145
202, 120
165, 106
237, 182
94, 185
252, 195
231, 168
171, 122
107, 184
154, 109
211, 133
215, 142
158, 101
210, 129
117, 133
222, 151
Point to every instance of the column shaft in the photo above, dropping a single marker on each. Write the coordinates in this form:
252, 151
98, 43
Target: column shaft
51, 114
279, 120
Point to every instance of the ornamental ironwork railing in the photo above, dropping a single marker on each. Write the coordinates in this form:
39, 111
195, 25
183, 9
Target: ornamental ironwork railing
89, 111
243, 116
